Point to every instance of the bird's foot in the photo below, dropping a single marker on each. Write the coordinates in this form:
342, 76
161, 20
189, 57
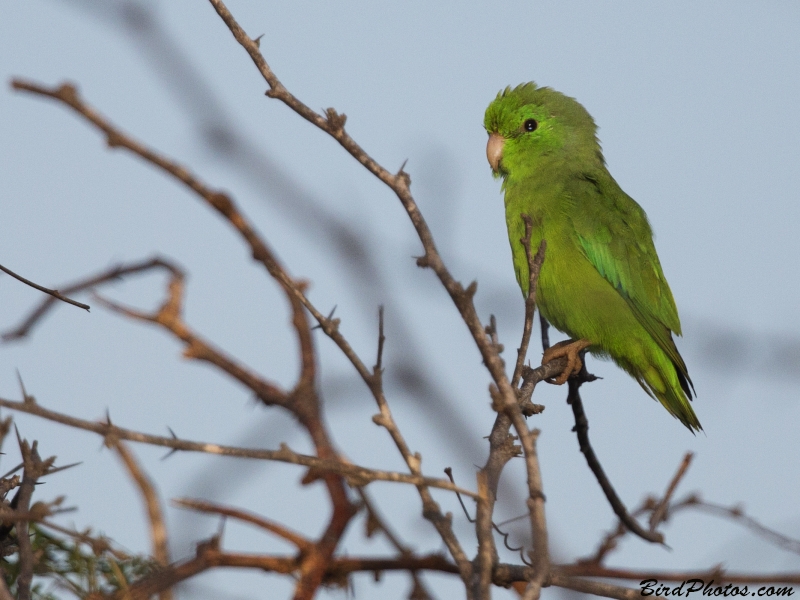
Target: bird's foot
570, 349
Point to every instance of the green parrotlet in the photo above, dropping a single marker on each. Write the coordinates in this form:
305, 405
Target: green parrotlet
601, 282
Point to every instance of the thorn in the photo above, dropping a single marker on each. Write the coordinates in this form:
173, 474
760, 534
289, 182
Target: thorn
403, 176
12, 471
168, 454
471, 289
257, 41
65, 467
423, 261
26, 399
329, 320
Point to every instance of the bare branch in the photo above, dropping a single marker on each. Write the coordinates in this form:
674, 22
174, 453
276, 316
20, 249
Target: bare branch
356, 474
534, 266
660, 511
375, 522
597, 588
582, 431
54, 293
717, 574
303, 544
112, 274
737, 515
158, 531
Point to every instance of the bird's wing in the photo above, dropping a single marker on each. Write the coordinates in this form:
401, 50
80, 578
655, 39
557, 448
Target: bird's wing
616, 237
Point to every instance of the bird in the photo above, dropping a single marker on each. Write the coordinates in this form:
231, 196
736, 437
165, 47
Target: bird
601, 282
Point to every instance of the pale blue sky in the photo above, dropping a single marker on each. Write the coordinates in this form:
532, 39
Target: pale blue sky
697, 111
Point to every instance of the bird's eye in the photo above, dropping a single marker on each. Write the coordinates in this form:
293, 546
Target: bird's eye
530, 125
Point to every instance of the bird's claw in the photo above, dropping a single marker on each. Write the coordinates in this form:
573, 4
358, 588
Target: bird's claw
570, 349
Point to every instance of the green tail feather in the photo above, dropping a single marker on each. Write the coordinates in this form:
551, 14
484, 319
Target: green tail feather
673, 389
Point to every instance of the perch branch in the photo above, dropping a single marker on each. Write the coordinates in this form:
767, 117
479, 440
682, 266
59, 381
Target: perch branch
582, 431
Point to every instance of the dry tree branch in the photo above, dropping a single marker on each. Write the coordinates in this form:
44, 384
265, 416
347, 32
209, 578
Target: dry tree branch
114, 273
302, 544
502, 447
169, 316
99, 545
737, 515
302, 401
375, 522
158, 530
597, 588
356, 475
660, 511
582, 432
534, 266
717, 574
333, 124
210, 556
54, 293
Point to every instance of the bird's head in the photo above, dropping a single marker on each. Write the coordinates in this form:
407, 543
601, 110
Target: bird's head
527, 123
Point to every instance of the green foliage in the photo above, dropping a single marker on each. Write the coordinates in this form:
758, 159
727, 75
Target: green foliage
80, 567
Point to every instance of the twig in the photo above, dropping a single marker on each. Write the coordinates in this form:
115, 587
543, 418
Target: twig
718, 574
169, 317
158, 531
333, 124
111, 274
737, 514
534, 266
99, 545
597, 588
535, 502
582, 431
53, 293
660, 511
356, 474
302, 544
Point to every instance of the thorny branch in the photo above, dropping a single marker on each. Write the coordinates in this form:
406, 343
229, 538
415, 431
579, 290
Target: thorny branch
356, 475
315, 562
302, 401
333, 124
33, 468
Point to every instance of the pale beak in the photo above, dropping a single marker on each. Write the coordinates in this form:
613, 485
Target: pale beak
494, 150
